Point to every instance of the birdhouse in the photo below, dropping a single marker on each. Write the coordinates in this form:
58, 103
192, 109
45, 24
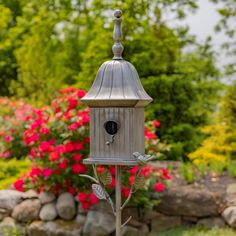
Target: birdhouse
117, 100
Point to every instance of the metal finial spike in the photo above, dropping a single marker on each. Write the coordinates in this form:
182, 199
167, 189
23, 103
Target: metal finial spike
117, 48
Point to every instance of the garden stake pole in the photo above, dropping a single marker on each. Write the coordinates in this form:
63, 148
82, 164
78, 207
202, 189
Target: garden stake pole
118, 200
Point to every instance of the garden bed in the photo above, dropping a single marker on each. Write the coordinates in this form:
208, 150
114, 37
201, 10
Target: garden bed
209, 201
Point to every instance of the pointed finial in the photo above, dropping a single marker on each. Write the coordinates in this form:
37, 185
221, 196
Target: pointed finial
117, 48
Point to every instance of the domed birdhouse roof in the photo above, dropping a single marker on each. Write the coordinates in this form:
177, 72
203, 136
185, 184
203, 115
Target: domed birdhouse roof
117, 83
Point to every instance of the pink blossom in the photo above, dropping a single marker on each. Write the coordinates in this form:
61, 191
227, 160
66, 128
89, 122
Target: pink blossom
19, 185
62, 165
76, 157
47, 172
8, 138
72, 102
82, 197
74, 126
159, 187
54, 156
93, 199
80, 93
35, 171
44, 130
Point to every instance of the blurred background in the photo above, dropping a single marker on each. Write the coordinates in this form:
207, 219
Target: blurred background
183, 50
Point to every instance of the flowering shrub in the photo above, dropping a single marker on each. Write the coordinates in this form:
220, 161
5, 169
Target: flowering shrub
14, 117
153, 145
56, 138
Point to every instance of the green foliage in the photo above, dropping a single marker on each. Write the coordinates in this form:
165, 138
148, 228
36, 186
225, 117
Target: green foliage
12, 232
12, 170
220, 147
188, 172
47, 45
197, 231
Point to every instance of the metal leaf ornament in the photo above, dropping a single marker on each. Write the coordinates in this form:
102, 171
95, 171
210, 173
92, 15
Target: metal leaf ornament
139, 182
98, 191
105, 177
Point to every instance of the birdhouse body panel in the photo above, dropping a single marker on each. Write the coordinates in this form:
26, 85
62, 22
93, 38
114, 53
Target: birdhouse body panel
116, 148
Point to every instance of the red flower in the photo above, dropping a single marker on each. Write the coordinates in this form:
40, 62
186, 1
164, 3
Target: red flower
149, 134
84, 118
133, 170
125, 192
72, 102
113, 170
35, 171
47, 172
74, 126
85, 205
78, 146
72, 190
54, 156
33, 152
159, 187
146, 171
68, 90
100, 169
82, 197
62, 165
86, 140
8, 138
131, 180
80, 93
19, 185
76, 157
79, 168
156, 123
44, 130
69, 147
93, 198
45, 146
60, 149
113, 183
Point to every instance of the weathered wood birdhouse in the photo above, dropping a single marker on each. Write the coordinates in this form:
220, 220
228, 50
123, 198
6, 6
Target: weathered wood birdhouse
116, 100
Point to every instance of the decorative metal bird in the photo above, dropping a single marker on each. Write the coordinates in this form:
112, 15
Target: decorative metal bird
142, 159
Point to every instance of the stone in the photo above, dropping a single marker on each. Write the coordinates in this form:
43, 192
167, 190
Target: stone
9, 199
231, 194
29, 194
130, 211
189, 201
229, 215
211, 222
27, 210
46, 197
162, 222
8, 226
189, 219
102, 206
54, 228
48, 212
4, 213
132, 231
149, 215
65, 206
98, 224
80, 219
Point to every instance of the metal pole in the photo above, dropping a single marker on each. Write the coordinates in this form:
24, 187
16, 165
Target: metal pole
118, 200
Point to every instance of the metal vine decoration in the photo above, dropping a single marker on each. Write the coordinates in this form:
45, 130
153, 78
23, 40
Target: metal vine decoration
105, 178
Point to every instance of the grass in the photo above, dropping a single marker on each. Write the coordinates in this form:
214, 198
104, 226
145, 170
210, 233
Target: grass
197, 231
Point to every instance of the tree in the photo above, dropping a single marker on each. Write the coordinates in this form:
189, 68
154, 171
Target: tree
220, 145
61, 43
